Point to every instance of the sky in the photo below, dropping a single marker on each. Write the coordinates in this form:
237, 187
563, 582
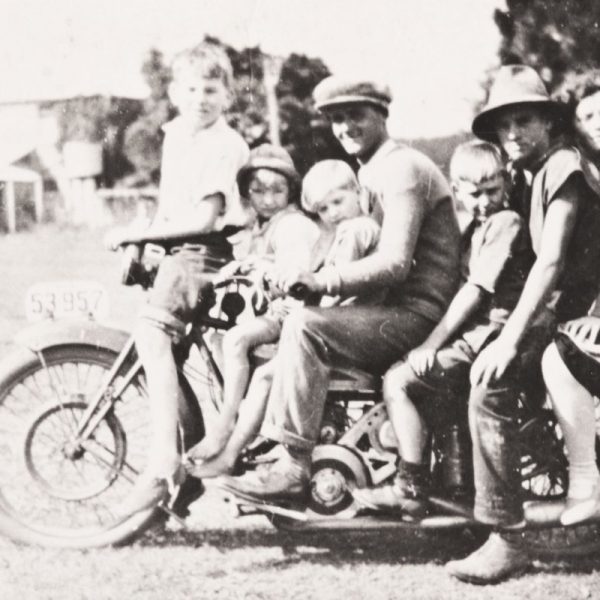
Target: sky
433, 53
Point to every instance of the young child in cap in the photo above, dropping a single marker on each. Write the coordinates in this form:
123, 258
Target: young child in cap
564, 220
496, 258
330, 190
200, 160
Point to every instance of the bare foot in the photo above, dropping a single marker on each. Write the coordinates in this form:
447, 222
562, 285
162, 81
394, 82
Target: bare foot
219, 465
210, 446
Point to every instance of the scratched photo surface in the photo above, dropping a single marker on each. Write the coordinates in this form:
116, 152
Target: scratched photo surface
85, 90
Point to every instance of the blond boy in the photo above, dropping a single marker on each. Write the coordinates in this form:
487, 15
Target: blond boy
201, 157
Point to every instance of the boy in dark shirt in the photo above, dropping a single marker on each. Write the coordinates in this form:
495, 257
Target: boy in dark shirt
495, 261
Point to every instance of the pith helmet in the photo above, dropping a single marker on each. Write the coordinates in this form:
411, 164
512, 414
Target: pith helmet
513, 85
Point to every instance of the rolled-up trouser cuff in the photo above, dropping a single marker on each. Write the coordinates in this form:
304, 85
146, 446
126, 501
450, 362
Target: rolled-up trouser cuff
163, 319
499, 514
278, 434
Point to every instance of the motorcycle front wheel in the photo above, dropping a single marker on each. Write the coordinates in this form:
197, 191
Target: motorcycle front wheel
55, 490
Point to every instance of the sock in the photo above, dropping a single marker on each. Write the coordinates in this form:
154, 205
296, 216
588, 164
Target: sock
583, 479
412, 469
413, 477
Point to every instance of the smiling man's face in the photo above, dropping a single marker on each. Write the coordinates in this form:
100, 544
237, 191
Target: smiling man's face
360, 128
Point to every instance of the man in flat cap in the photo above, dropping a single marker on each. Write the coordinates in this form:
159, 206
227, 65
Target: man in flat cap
416, 265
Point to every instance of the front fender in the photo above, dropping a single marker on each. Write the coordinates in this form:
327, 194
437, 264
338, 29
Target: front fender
46, 334
49, 334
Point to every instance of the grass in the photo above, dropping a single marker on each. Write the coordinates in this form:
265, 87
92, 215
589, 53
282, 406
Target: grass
54, 254
219, 557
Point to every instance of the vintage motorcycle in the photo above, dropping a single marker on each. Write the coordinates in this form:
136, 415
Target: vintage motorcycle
74, 433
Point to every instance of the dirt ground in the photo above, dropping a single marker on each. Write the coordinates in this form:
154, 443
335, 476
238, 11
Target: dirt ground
217, 556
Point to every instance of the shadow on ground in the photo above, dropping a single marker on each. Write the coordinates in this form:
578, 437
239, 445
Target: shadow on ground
392, 547
373, 546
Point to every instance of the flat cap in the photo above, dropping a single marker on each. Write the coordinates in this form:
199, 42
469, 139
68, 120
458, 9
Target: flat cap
335, 90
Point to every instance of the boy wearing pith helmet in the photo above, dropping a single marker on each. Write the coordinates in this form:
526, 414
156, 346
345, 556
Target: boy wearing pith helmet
564, 221
415, 265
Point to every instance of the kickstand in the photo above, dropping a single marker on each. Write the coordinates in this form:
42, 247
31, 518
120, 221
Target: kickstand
245, 506
167, 509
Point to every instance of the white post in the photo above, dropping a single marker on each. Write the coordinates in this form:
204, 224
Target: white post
272, 70
38, 198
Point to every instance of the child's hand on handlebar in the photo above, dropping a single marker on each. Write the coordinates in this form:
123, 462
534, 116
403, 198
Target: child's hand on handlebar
229, 270
297, 283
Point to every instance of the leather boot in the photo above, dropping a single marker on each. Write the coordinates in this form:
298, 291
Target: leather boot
284, 481
500, 558
407, 494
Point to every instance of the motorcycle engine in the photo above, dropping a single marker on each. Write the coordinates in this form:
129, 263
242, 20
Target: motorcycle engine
334, 423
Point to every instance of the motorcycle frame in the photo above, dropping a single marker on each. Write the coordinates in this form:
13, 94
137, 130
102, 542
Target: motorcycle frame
538, 514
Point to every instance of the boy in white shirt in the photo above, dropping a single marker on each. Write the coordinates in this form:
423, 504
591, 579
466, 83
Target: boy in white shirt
198, 195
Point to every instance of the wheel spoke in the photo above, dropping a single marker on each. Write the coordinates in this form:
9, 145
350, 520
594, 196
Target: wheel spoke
44, 483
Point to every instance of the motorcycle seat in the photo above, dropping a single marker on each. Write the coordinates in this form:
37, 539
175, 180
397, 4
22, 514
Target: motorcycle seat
351, 379
343, 379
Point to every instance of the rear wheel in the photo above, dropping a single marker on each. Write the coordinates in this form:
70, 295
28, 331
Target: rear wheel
54, 491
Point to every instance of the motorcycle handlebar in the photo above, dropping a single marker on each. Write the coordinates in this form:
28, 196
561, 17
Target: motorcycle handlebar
192, 236
299, 291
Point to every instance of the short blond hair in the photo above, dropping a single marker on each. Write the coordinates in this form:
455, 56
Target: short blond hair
322, 178
207, 58
476, 161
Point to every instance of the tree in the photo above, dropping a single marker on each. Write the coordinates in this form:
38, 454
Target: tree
247, 113
553, 36
303, 132
143, 138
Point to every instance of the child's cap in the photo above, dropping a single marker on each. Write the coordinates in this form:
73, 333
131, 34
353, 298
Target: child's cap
514, 84
335, 90
324, 177
476, 161
268, 156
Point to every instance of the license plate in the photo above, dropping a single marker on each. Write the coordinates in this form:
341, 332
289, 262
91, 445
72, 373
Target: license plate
58, 299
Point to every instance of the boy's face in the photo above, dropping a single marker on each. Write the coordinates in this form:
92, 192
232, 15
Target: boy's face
200, 100
481, 199
268, 192
587, 122
360, 128
339, 205
523, 132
